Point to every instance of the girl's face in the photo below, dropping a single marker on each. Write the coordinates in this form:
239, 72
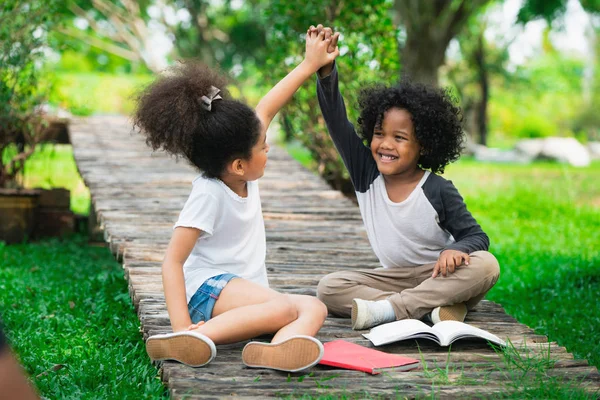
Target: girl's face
394, 145
255, 166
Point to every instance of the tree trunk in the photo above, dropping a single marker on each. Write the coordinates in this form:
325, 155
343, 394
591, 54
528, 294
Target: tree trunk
484, 86
590, 64
430, 25
197, 10
420, 65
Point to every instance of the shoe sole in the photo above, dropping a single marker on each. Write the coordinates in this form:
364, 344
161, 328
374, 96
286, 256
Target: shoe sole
357, 324
291, 355
189, 348
456, 312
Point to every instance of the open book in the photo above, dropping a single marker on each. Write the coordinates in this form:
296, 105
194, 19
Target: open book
443, 333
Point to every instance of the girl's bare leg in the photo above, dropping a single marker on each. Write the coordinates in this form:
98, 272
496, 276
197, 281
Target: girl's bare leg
245, 310
311, 315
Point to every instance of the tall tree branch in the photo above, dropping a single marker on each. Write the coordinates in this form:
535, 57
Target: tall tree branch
100, 44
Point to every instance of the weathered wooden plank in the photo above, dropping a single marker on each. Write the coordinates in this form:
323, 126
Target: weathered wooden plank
311, 231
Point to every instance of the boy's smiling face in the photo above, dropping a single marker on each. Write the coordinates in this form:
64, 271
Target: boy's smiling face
394, 145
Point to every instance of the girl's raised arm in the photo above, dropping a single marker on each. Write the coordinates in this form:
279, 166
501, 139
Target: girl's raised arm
316, 56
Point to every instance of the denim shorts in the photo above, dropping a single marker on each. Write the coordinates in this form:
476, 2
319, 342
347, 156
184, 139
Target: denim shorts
203, 301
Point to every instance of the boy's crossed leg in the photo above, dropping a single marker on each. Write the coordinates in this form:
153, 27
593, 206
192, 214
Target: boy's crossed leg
411, 291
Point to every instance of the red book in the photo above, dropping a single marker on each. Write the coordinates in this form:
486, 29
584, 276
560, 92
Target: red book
342, 354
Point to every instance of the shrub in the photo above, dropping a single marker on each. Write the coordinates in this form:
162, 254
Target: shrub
367, 35
23, 33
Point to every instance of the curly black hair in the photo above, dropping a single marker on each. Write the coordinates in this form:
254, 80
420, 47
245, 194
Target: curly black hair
169, 113
436, 119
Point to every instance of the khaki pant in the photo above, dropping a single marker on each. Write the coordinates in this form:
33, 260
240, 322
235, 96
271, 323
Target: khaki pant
412, 291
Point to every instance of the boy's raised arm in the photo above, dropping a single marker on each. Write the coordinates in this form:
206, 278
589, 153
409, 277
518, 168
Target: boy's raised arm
356, 156
315, 57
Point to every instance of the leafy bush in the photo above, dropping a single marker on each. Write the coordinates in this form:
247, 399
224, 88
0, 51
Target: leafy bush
23, 33
534, 126
588, 122
367, 35
541, 98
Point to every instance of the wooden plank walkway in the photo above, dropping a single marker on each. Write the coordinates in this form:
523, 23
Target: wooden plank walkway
311, 231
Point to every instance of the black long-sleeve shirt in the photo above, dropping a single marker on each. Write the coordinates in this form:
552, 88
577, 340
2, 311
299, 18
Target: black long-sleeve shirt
413, 232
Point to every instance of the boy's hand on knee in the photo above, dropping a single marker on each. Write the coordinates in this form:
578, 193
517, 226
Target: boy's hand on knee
448, 261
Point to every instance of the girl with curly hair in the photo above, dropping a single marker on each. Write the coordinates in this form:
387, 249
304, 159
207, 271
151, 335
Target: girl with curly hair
214, 275
433, 253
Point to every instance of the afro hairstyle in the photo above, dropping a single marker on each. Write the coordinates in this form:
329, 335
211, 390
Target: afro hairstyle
171, 115
437, 121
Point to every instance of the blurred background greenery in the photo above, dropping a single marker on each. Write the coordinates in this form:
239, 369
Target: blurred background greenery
515, 66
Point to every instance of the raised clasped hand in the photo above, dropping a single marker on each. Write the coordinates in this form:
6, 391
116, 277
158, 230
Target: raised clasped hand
321, 47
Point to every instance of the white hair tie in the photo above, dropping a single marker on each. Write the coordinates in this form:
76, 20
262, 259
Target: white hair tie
212, 95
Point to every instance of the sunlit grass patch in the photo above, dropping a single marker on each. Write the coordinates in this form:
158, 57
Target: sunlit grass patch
67, 313
53, 166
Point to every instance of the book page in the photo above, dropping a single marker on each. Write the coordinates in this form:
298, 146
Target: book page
449, 331
400, 330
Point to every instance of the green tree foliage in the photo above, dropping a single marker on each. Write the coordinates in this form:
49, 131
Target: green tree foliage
547, 9
586, 121
369, 54
550, 10
541, 98
219, 33
24, 27
113, 28
481, 64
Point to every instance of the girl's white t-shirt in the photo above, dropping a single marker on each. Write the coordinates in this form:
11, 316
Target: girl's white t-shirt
233, 234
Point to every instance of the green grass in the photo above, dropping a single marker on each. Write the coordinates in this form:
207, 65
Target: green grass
53, 166
96, 93
543, 222
522, 374
67, 312
525, 376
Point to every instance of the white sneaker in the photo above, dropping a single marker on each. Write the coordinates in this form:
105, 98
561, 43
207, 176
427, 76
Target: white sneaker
455, 312
291, 355
366, 313
190, 348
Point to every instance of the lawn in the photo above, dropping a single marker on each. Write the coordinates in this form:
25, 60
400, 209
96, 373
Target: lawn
66, 307
543, 223
96, 93
68, 315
